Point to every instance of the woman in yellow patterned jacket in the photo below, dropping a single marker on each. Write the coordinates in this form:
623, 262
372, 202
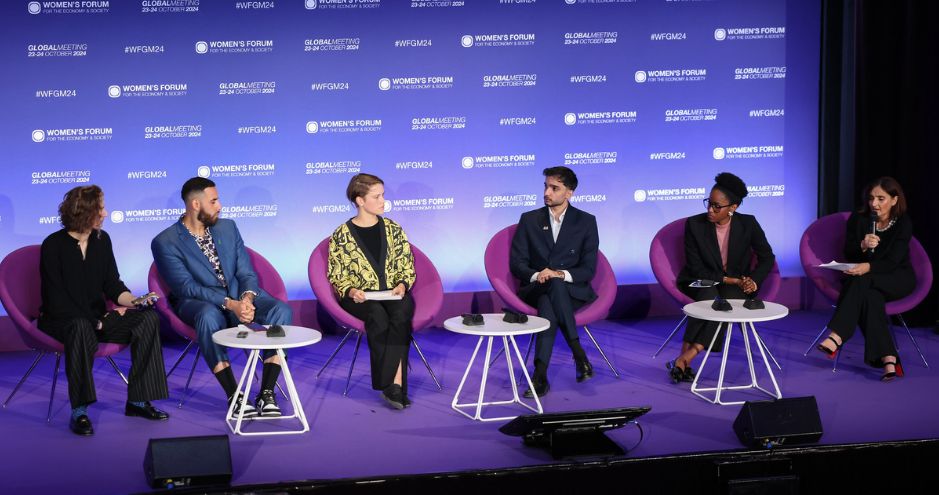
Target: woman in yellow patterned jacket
368, 254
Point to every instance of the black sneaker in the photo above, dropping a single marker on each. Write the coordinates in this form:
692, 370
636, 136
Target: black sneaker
266, 402
250, 411
393, 396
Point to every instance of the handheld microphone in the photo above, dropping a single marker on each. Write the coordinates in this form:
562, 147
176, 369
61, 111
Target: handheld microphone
873, 228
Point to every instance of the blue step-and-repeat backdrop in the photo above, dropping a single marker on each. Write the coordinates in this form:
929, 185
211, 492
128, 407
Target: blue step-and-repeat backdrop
457, 105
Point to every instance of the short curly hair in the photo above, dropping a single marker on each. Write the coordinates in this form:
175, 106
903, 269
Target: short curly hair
732, 187
80, 208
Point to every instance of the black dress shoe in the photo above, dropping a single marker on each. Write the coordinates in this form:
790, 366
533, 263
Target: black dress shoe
541, 388
81, 425
584, 370
688, 375
147, 411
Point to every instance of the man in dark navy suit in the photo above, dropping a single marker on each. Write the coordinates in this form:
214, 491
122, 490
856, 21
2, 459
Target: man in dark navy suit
554, 255
214, 286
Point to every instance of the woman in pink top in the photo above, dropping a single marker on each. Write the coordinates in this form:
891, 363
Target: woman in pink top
719, 245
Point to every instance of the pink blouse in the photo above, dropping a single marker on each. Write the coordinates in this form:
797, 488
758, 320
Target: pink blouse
723, 233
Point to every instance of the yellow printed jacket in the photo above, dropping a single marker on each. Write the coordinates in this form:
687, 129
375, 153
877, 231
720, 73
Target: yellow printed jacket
350, 266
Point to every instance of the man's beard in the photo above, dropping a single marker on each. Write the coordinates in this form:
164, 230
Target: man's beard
206, 219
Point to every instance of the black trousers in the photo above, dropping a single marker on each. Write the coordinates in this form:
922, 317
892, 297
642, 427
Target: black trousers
555, 304
388, 331
862, 303
702, 331
140, 329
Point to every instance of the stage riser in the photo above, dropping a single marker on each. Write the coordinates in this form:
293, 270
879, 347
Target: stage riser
897, 467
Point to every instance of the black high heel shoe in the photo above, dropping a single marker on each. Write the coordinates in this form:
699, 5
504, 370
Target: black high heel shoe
824, 350
890, 376
675, 374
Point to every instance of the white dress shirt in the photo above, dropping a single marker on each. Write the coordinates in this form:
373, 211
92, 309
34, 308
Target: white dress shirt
555, 230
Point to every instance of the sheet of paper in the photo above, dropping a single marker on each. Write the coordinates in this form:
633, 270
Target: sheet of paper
834, 265
381, 295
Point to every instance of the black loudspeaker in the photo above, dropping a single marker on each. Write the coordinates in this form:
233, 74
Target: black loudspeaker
772, 423
188, 461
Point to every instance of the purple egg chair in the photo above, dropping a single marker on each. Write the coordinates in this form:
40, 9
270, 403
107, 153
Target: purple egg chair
268, 279
823, 241
20, 293
427, 293
667, 258
496, 261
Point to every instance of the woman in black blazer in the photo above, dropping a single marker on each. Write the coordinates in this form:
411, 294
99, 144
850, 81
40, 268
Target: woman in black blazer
719, 246
878, 240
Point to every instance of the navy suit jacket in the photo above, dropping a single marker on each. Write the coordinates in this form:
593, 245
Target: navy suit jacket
188, 272
534, 249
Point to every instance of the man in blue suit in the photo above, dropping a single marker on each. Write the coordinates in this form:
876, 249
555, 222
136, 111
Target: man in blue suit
213, 286
554, 254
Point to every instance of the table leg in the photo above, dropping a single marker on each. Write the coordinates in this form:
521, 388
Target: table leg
766, 348
246, 375
511, 368
518, 354
746, 346
694, 385
294, 396
769, 370
509, 345
455, 405
720, 377
482, 383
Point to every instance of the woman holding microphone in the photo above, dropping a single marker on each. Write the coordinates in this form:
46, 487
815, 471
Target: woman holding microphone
878, 240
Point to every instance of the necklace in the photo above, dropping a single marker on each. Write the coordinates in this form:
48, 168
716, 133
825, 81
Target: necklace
193, 234
890, 224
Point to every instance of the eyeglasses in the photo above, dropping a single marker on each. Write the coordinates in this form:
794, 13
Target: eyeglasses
710, 205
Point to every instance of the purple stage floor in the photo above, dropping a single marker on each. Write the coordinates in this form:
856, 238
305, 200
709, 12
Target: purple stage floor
359, 436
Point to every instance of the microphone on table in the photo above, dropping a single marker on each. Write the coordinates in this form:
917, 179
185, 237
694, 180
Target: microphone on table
753, 302
873, 228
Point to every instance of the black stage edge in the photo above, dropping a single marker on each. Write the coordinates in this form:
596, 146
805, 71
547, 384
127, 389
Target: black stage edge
884, 467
